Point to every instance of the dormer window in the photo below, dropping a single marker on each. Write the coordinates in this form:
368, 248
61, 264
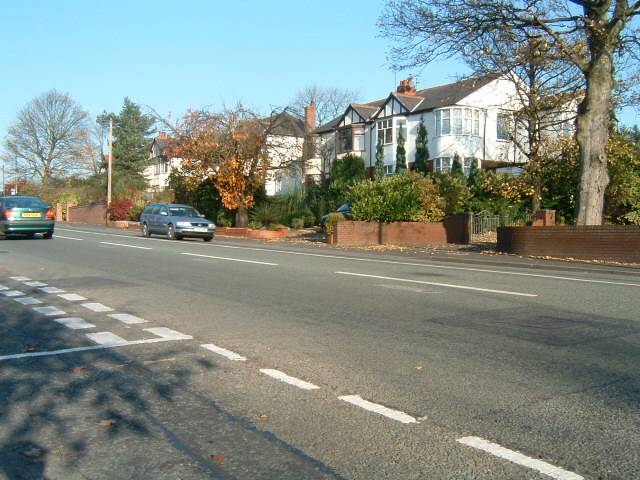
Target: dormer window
458, 121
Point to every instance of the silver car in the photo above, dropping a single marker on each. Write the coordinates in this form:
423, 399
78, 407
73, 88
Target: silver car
176, 222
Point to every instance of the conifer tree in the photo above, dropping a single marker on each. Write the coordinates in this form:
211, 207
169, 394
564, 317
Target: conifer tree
401, 153
456, 166
379, 167
422, 149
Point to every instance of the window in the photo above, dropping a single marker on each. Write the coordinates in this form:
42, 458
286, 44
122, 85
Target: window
160, 166
358, 142
345, 140
402, 128
466, 165
442, 165
458, 121
385, 131
388, 169
504, 126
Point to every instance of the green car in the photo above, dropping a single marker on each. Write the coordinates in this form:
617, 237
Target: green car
25, 216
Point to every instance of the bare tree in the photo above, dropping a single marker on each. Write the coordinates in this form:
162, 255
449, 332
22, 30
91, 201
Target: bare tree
330, 101
586, 34
48, 137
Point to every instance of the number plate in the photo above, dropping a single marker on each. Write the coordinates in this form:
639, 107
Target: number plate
200, 229
31, 215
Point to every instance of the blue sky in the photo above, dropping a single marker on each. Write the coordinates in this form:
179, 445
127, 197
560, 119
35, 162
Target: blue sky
176, 55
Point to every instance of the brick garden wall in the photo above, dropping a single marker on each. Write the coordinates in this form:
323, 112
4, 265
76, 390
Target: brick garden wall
92, 214
608, 242
452, 230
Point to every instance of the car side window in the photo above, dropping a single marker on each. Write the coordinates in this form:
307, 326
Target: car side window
154, 210
164, 211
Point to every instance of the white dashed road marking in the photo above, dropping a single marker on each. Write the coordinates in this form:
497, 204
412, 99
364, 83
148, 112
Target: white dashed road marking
97, 307
397, 415
127, 318
35, 284
72, 297
20, 279
446, 285
125, 245
165, 332
51, 290
69, 238
517, 457
283, 377
229, 259
27, 300
75, 323
2, 287
12, 293
49, 311
224, 352
106, 338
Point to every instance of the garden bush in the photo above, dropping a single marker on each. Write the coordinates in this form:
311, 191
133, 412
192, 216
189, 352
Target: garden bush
332, 219
120, 210
265, 214
297, 223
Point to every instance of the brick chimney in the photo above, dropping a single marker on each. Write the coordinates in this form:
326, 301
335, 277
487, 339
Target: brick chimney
310, 116
161, 135
407, 87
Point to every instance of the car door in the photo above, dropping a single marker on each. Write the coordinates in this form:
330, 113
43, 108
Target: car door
163, 219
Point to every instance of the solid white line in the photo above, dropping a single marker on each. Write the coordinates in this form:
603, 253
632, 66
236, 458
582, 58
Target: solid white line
447, 285
230, 259
124, 245
283, 377
97, 307
106, 338
224, 352
517, 457
11, 293
165, 332
83, 349
20, 279
27, 300
72, 297
397, 415
51, 290
126, 318
49, 311
387, 262
68, 238
35, 284
74, 323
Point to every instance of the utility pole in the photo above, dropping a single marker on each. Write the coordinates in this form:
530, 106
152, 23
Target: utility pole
109, 166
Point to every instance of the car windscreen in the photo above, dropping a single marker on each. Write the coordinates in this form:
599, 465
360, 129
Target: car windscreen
24, 203
183, 212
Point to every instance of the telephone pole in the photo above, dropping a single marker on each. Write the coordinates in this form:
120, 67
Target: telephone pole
109, 166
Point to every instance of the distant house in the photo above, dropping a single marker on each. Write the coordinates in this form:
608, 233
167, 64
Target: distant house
287, 141
472, 118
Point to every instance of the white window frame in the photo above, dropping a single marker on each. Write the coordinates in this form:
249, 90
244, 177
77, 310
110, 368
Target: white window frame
458, 121
442, 164
389, 170
501, 128
385, 130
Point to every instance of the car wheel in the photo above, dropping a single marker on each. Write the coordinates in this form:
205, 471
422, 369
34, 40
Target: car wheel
145, 230
171, 233
47, 235
208, 239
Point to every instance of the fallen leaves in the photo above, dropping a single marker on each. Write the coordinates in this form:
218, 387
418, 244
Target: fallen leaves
263, 416
107, 423
217, 457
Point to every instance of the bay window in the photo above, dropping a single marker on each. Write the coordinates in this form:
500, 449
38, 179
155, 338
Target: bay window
458, 121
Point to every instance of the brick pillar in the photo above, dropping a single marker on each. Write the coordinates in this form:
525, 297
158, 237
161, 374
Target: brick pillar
546, 218
69, 207
59, 217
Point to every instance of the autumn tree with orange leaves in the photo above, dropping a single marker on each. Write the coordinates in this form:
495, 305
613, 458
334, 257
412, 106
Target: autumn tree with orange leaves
229, 147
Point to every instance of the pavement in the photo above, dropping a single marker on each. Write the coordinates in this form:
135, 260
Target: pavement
127, 357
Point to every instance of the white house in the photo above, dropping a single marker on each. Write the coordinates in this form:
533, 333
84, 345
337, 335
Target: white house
286, 139
471, 118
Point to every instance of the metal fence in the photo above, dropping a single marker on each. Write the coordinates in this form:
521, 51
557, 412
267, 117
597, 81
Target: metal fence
484, 223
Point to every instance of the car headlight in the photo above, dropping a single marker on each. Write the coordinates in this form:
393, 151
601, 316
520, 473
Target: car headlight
183, 224
212, 226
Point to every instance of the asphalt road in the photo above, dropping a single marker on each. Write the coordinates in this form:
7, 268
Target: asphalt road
243, 360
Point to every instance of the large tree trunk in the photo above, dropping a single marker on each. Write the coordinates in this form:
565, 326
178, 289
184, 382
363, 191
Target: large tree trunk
242, 217
592, 135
